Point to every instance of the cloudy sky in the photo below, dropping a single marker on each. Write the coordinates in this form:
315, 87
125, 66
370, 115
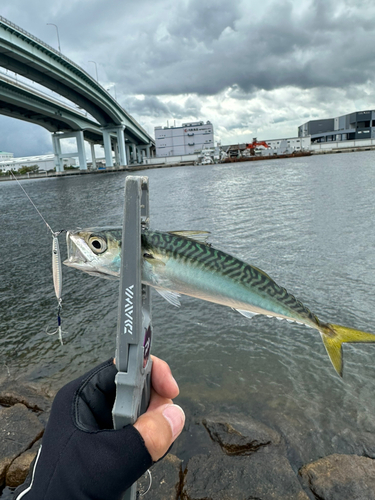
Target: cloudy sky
253, 68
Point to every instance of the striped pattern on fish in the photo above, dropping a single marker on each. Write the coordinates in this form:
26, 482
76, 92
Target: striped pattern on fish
270, 298
182, 262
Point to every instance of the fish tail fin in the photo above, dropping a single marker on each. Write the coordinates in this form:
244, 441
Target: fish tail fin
334, 336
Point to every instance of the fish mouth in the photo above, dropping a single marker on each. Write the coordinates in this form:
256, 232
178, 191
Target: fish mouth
77, 257
82, 258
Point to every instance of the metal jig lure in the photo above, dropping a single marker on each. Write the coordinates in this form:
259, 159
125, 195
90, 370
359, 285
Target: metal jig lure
56, 265
57, 281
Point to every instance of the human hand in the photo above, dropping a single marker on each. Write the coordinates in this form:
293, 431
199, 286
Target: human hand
82, 457
163, 420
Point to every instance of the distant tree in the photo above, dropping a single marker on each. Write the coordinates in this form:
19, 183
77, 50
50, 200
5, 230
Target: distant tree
25, 170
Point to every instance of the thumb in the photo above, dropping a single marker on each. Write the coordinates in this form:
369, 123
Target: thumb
160, 427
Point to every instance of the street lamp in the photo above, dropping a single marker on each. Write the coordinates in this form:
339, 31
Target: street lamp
96, 69
57, 32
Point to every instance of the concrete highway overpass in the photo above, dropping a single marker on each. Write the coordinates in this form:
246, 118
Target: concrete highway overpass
26, 55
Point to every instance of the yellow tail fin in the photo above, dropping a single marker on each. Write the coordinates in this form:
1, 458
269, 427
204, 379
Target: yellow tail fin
335, 335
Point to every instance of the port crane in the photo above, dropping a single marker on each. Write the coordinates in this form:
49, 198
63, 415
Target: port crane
255, 144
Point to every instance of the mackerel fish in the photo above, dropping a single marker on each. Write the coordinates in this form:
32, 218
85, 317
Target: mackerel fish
182, 262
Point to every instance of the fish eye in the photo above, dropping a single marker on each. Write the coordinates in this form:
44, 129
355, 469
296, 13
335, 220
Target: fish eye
97, 244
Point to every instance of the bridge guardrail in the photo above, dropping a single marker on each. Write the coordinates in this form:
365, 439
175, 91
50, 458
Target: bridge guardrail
24, 86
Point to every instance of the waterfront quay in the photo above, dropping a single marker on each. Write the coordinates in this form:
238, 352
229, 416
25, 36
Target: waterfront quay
353, 148
107, 170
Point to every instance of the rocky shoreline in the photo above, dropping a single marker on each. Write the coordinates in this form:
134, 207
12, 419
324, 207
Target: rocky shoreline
24, 415
237, 458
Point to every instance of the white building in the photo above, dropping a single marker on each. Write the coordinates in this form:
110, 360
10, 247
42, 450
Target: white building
190, 138
281, 146
5, 156
44, 162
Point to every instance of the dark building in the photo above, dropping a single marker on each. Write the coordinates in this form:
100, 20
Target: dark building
358, 125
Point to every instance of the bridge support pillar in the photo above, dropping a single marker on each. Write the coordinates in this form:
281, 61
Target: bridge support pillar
107, 148
57, 151
120, 151
121, 145
128, 155
134, 153
141, 153
93, 157
145, 151
81, 150
80, 153
115, 148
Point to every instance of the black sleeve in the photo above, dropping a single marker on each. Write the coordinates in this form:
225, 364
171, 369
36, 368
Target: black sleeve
82, 457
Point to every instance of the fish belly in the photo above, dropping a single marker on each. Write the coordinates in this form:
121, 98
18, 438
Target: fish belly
198, 282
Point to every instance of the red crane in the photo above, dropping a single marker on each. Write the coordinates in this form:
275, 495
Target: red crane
256, 144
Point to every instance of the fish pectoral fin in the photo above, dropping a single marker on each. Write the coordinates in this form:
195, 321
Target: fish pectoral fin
200, 236
171, 297
334, 336
247, 314
153, 260
98, 274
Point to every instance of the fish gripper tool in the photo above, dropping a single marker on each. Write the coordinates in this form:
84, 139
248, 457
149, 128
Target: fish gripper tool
134, 329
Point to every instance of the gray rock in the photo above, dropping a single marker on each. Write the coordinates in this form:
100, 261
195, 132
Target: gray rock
341, 477
19, 429
303, 440
354, 442
166, 479
194, 439
19, 468
261, 476
13, 392
240, 435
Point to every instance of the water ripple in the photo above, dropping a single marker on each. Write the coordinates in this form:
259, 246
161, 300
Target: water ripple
309, 224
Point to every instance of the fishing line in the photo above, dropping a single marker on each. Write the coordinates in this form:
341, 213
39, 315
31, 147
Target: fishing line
56, 264
31, 201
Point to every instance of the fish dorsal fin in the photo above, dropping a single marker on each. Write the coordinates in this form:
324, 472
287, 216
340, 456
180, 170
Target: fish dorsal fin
171, 297
200, 236
262, 272
247, 314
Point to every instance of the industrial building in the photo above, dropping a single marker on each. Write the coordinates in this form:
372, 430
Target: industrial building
44, 162
357, 125
289, 145
188, 139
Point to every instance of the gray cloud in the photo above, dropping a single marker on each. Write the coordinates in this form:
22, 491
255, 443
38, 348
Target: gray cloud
23, 138
205, 47
329, 44
240, 63
152, 106
203, 21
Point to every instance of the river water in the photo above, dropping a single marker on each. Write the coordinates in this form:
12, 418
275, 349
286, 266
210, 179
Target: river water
309, 223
